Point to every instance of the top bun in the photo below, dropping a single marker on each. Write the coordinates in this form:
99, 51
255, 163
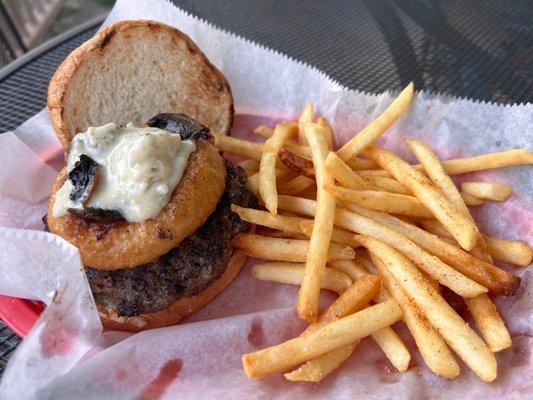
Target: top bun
131, 71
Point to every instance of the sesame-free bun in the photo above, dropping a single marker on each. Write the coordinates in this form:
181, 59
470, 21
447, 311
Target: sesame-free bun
129, 72
180, 308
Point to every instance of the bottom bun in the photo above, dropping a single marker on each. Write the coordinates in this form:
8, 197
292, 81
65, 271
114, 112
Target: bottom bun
180, 308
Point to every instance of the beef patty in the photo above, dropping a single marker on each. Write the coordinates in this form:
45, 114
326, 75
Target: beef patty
185, 270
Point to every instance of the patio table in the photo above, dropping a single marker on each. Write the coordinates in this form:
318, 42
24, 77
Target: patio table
481, 50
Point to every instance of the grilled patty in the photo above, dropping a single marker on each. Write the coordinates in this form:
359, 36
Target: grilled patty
185, 270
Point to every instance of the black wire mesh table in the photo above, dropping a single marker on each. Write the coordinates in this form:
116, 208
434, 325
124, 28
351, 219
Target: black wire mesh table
482, 50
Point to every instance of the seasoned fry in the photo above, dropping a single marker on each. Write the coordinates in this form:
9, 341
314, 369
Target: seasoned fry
337, 235
344, 174
487, 190
389, 342
374, 173
267, 168
252, 183
307, 115
510, 251
264, 218
250, 167
301, 165
318, 368
238, 147
352, 268
328, 132
352, 300
460, 226
471, 200
433, 266
386, 184
436, 173
293, 273
517, 253
377, 127
361, 163
334, 335
461, 338
432, 346
307, 305
302, 151
392, 203
296, 185
489, 322
277, 249
264, 131
488, 161
488, 275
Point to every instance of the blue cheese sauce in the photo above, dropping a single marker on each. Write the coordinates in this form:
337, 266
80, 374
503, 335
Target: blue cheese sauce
139, 169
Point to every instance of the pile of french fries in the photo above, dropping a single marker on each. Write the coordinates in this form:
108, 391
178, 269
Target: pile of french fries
385, 236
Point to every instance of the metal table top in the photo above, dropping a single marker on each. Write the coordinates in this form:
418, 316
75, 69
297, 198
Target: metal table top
482, 50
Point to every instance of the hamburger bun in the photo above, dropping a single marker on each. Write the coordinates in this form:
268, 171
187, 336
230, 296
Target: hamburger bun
132, 70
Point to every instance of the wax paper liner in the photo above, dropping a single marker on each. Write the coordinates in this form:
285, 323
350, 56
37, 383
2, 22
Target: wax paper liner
67, 356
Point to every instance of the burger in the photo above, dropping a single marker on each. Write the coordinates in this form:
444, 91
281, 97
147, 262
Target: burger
145, 195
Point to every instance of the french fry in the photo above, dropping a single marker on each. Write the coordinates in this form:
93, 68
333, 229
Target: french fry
332, 336
307, 115
489, 322
481, 307
389, 342
460, 226
327, 131
459, 166
267, 168
381, 173
510, 251
318, 368
488, 161
344, 174
430, 343
386, 184
461, 338
513, 252
280, 234
264, 131
471, 200
307, 305
293, 273
433, 266
436, 173
392, 203
301, 165
296, 185
487, 190
377, 127
488, 275
337, 235
302, 151
352, 268
252, 183
238, 147
264, 218
352, 300
250, 167
361, 163
277, 249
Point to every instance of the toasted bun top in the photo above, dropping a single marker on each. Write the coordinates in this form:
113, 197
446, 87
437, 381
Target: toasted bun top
131, 71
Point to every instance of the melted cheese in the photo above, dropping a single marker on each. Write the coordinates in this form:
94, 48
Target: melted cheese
139, 169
